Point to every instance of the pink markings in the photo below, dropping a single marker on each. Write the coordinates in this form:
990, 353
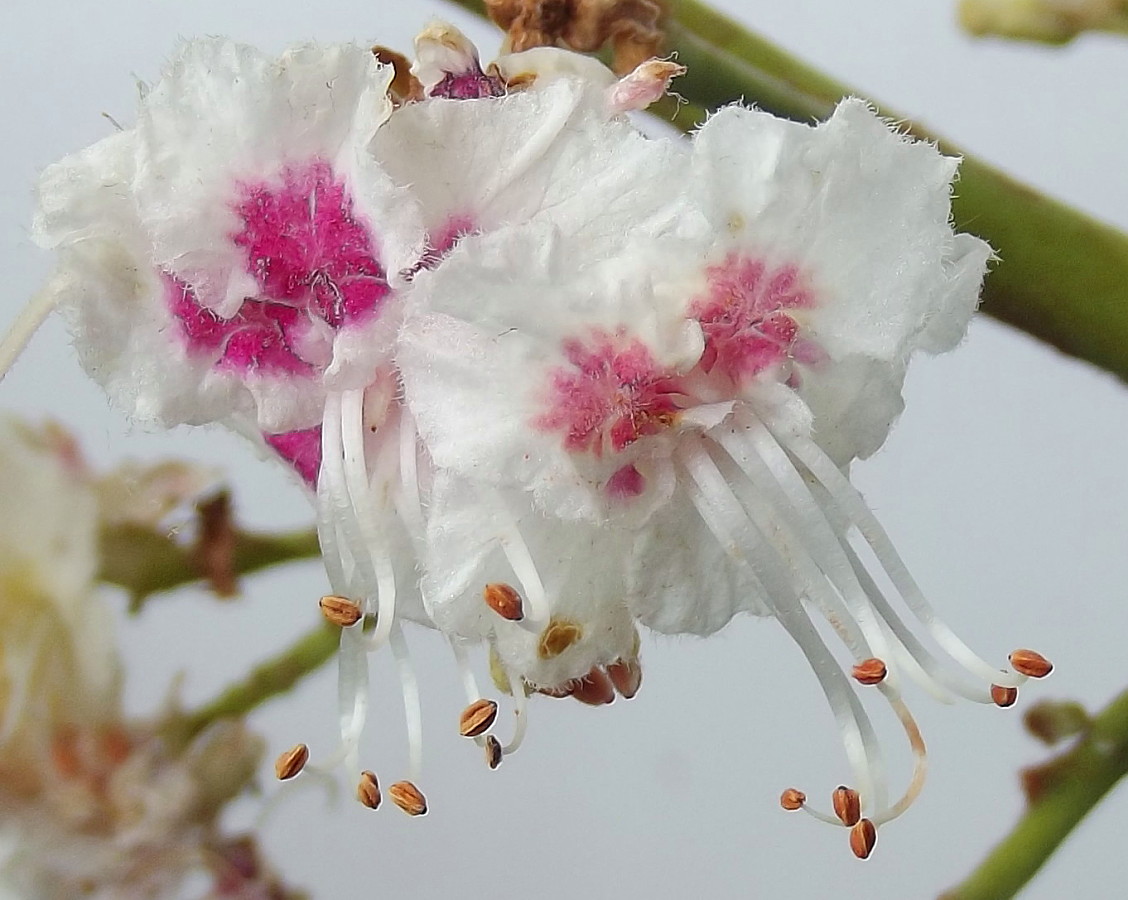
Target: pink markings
612, 394
312, 260
626, 484
747, 329
444, 239
301, 449
472, 84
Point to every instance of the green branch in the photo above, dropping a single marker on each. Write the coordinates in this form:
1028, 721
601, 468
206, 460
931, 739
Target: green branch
1063, 276
1062, 793
273, 677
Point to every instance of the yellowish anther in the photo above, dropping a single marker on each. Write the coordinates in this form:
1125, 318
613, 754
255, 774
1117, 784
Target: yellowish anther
863, 838
1031, 664
368, 790
291, 762
408, 797
340, 611
498, 674
558, 636
1004, 696
792, 799
847, 805
477, 718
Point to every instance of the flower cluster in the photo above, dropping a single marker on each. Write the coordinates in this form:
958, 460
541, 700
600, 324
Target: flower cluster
545, 378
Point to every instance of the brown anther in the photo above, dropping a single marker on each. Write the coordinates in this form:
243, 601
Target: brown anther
626, 675
291, 762
493, 752
504, 600
791, 799
405, 87
340, 611
558, 636
477, 718
368, 789
870, 671
594, 689
847, 805
1030, 664
863, 837
1003, 696
408, 797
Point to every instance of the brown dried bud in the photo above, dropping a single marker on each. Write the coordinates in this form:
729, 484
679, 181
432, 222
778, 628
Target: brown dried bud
494, 753
558, 636
213, 554
291, 762
1052, 721
870, 671
408, 797
368, 789
847, 805
792, 799
477, 718
1031, 664
626, 675
340, 610
863, 837
504, 600
1003, 696
594, 689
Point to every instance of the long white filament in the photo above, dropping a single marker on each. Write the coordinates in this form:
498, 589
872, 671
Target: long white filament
735, 532
411, 707
521, 562
846, 496
28, 322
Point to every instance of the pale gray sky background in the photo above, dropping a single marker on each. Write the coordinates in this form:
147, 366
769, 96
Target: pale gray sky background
1003, 485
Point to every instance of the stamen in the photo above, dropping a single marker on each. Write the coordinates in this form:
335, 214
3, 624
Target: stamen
411, 708
368, 790
1004, 696
920, 757
494, 752
847, 805
792, 799
477, 718
28, 322
870, 671
409, 798
291, 762
1030, 664
504, 600
521, 562
863, 838
340, 611
854, 506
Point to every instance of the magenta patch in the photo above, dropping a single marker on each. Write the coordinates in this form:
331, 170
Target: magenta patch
626, 484
612, 394
301, 449
747, 329
473, 84
312, 260
444, 239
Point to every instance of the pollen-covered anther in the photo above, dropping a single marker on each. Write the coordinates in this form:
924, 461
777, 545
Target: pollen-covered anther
870, 671
291, 762
1031, 664
340, 611
792, 799
847, 805
477, 718
408, 797
494, 752
863, 838
558, 636
626, 675
1004, 696
504, 600
595, 688
368, 790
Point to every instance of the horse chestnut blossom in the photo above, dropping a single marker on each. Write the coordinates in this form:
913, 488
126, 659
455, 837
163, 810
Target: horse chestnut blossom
545, 378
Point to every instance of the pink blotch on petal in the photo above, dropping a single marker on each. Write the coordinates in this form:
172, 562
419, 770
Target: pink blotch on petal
745, 321
301, 449
612, 393
626, 484
473, 84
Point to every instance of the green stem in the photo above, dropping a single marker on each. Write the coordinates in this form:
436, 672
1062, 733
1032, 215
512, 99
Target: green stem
273, 677
1062, 276
144, 561
1065, 790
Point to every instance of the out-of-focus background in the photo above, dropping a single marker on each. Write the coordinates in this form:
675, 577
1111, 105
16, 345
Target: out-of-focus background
1004, 487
